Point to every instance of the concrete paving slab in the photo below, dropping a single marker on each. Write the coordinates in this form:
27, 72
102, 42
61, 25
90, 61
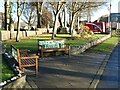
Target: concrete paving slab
68, 72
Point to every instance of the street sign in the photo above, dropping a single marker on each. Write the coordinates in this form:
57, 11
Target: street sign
115, 17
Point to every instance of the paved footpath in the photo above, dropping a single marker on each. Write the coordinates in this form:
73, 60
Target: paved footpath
66, 72
110, 78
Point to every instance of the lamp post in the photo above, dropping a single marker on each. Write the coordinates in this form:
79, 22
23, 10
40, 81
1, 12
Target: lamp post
110, 20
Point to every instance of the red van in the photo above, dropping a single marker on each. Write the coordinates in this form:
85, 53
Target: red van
101, 27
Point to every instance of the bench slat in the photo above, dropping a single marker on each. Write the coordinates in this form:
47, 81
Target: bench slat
27, 61
55, 50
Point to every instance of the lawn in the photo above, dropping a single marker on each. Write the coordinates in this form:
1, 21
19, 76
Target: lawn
31, 43
7, 72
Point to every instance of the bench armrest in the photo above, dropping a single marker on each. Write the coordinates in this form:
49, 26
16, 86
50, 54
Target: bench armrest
23, 51
67, 44
41, 46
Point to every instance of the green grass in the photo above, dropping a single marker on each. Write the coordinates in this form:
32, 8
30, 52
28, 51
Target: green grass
7, 72
31, 43
105, 47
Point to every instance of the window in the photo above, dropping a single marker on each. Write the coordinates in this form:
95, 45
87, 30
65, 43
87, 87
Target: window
97, 26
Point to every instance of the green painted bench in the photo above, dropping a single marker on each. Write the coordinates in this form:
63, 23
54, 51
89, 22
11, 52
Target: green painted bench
52, 46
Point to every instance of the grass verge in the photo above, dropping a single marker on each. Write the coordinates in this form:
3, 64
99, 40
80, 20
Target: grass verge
105, 47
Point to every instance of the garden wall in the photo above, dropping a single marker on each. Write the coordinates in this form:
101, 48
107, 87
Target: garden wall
5, 35
18, 83
76, 50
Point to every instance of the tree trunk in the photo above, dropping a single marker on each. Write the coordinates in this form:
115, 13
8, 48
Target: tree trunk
39, 25
65, 25
7, 15
11, 29
72, 23
60, 20
18, 30
55, 27
19, 13
78, 19
71, 27
18, 23
29, 26
39, 13
48, 26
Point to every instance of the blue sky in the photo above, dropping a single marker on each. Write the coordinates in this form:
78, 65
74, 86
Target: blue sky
100, 12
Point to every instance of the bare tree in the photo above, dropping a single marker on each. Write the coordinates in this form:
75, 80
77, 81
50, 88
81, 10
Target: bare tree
46, 17
29, 15
56, 7
92, 7
20, 9
75, 8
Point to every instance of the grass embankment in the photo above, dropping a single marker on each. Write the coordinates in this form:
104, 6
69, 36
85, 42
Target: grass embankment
105, 47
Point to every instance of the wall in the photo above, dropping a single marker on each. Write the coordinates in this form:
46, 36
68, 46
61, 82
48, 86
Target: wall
5, 35
18, 83
76, 50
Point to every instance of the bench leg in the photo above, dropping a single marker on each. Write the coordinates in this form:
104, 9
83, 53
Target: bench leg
68, 52
22, 69
42, 54
36, 66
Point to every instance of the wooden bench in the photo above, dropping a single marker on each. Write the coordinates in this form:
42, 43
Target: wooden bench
23, 59
52, 46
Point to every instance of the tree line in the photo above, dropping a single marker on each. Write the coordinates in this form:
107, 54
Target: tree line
49, 12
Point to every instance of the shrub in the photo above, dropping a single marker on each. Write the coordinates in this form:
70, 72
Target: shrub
91, 33
85, 32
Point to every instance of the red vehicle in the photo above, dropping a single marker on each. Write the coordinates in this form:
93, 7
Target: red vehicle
101, 27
